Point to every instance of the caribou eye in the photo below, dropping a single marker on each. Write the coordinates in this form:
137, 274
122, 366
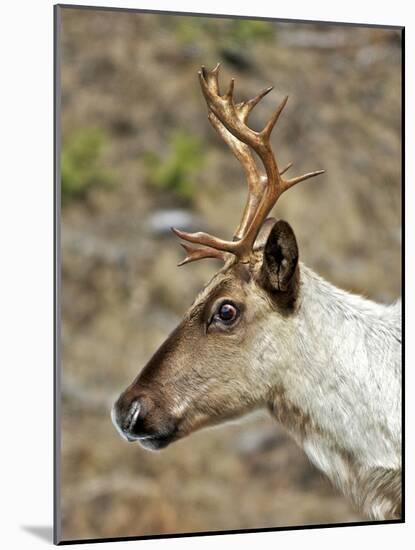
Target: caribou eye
227, 313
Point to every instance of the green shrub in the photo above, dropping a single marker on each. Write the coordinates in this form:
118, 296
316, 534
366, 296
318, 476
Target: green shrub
235, 32
177, 171
243, 31
81, 163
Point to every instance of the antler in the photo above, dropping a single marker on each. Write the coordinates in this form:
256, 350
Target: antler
230, 121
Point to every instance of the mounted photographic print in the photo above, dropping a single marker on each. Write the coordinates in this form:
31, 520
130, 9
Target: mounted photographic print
249, 379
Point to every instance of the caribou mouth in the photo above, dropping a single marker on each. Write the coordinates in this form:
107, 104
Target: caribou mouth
155, 442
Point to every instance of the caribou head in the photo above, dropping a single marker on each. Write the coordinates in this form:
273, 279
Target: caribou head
215, 365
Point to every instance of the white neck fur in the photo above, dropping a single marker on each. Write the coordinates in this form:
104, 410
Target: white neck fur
343, 380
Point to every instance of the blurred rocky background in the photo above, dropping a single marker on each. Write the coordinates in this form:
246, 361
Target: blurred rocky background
138, 155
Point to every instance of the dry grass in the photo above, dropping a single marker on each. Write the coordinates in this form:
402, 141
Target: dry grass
132, 76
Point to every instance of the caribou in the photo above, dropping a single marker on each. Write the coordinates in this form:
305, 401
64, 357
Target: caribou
268, 333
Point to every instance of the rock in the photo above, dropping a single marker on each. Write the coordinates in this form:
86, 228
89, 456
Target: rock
160, 222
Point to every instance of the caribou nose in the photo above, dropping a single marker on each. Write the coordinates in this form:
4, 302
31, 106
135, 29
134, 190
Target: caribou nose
128, 417
131, 417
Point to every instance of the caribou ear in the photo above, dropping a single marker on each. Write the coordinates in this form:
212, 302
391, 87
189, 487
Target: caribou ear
279, 265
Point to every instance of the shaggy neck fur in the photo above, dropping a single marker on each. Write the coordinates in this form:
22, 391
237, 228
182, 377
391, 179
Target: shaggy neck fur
339, 391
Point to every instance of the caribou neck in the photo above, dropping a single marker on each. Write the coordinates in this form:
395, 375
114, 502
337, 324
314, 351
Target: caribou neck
339, 393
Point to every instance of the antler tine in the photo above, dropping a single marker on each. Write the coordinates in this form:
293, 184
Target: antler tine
289, 183
194, 254
208, 240
286, 168
211, 77
245, 107
266, 132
